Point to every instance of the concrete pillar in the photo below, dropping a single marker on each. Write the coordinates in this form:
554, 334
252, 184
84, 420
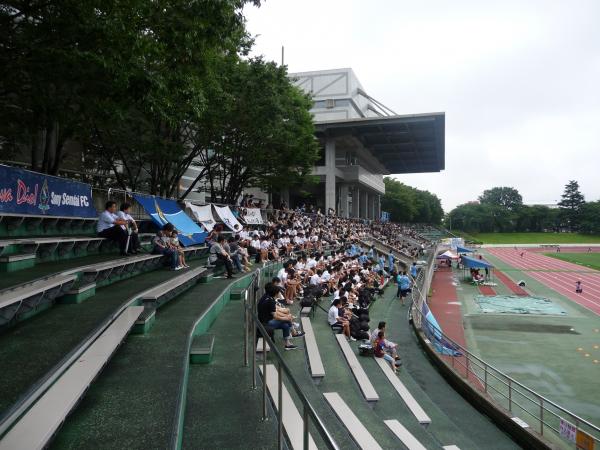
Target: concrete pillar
329, 174
356, 202
284, 195
378, 207
343, 206
363, 205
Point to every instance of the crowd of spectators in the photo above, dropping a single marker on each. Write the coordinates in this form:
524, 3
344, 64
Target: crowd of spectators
324, 257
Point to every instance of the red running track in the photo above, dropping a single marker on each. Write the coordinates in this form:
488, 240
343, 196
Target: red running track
562, 277
486, 290
445, 307
514, 287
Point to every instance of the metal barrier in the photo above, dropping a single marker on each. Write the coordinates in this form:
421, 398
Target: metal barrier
251, 326
543, 414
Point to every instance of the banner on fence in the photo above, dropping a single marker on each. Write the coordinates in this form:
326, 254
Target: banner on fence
567, 430
163, 211
228, 218
31, 193
252, 216
203, 215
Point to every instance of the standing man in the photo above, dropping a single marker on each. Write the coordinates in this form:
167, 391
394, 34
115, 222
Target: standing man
111, 227
414, 270
403, 286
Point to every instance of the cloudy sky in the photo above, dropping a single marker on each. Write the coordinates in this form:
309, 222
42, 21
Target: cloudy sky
519, 81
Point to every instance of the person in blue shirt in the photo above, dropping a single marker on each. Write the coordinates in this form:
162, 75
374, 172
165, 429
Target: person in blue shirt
362, 259
414, 270
403, 286
391, 263
371, 253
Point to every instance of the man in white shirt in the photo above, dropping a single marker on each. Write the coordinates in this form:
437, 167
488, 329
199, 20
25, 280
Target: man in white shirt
334, 319
315, 280
110, 226
131, 228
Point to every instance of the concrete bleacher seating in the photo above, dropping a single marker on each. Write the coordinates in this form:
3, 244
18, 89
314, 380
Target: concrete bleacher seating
18, 254
407, 438
27, 298
355, 427
361, 377
159, 295
40, 422
404, 393
312, 350
292, 420
27, 225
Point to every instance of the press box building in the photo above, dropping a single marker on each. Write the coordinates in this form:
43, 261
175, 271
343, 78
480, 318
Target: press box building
361, 141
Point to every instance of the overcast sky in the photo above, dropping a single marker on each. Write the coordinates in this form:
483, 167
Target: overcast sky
519, 81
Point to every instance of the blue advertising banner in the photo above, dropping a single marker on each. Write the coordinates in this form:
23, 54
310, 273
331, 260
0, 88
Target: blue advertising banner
31, 193
163, 211
385, 216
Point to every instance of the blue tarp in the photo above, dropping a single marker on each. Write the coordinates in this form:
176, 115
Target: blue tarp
434, 332
163, 211
473, 263
464, 250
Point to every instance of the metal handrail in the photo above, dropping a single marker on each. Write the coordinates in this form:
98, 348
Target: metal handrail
251, 326
473, 363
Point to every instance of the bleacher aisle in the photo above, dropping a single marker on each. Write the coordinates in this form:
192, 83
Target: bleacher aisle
136, 395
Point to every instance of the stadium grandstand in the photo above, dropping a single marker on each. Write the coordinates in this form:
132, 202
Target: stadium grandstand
247, 329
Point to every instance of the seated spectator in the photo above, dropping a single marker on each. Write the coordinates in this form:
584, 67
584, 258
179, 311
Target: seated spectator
218, 254
379, 350
176, 246
131, 228
389, 347
276, 318
111, 227
336, 319
161, 245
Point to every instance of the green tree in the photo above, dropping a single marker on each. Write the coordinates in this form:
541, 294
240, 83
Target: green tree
506, 198
590, 217
258, 131
571, 204
411, 205
99, 71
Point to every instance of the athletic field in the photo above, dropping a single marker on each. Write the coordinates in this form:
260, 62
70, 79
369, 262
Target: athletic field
556, 355
590, 260
536, 238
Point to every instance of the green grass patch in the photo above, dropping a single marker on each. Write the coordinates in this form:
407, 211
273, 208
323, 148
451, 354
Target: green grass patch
537, 238
590, 260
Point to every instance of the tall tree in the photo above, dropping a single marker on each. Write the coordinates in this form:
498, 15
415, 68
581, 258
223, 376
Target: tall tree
408, 204
258, 131
570, 205
507, 198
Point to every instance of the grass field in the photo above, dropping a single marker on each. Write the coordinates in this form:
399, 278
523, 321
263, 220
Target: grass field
591, 260
536, 238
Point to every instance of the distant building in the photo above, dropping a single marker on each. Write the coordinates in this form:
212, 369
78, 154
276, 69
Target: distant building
361, 141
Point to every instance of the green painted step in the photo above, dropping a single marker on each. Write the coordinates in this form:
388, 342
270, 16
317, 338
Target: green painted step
201, 351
